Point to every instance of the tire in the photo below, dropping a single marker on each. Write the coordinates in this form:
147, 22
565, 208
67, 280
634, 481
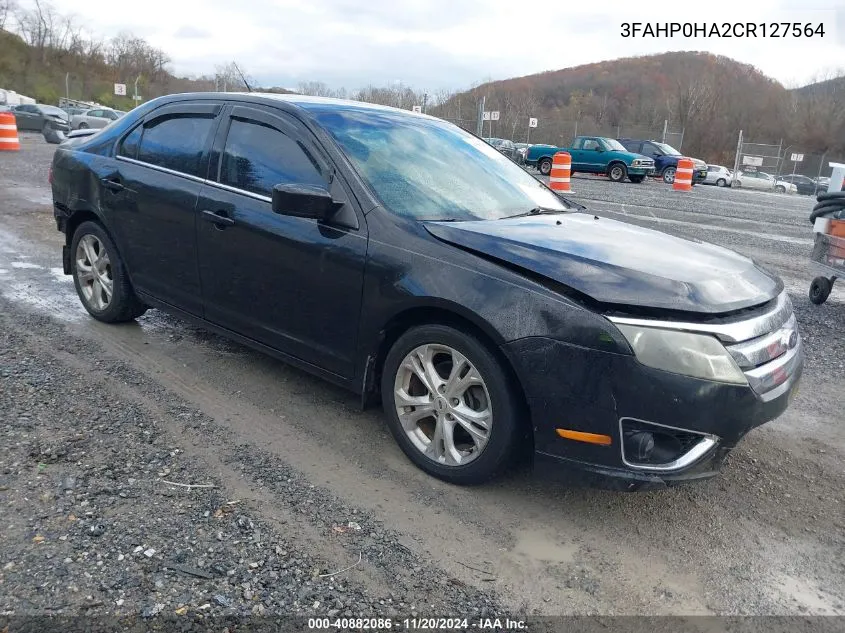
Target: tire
636, 179
737, 184
545, 166
617, 172
444, 346
780, 189
668, 175
820, 290
92, 245
721, 182
82, 126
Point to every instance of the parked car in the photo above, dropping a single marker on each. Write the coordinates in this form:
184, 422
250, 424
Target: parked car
505, 146
595, 155
413, 262
718, 175
764, 181
804, 185
40, 117
665, 159
823, 182
521, 150
96, 118
73, 111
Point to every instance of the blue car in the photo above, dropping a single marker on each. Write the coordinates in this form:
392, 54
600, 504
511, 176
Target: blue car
665, 159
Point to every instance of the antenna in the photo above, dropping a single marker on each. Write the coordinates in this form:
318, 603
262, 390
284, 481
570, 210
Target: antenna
248, 89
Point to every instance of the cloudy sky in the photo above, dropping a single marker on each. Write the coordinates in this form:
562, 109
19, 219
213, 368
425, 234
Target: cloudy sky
432, 44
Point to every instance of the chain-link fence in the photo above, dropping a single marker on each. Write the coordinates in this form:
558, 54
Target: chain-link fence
810, 165
764, 157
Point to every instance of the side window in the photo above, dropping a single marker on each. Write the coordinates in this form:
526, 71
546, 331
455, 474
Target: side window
176, 142
591, 143
650, 150
129, 145
578, 144
95, 113
258, 157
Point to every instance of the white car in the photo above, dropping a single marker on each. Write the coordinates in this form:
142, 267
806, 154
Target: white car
764, 181
718, 175
96, 118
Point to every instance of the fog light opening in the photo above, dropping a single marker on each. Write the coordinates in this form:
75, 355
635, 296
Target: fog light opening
656, 447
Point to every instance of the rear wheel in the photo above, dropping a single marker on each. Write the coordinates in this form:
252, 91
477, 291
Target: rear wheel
721, 182
100, 277
449, 404
668, 175
83, 126
545, 166
780, 189
820, 290
617, 172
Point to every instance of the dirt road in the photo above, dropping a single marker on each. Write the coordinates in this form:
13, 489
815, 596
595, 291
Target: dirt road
117, 411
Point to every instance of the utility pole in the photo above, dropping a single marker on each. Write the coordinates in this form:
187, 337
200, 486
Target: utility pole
665, 129
425, 103
135, 96
479, 124
736, 160
67, 86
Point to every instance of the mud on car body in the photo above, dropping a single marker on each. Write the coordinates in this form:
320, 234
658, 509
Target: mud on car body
487, 313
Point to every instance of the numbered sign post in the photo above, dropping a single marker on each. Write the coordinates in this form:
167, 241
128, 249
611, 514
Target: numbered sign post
120, 90
532, 122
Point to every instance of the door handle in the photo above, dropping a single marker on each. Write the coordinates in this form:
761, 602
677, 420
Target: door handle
112, 184
218, 218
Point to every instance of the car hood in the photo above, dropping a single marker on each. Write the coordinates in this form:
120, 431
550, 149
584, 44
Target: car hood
617, 263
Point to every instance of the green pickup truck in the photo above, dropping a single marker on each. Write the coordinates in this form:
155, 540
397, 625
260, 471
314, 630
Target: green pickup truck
595, 155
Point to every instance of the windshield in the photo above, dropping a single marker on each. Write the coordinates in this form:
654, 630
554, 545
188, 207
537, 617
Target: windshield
615, 145
53, 110
668, 149
427, 169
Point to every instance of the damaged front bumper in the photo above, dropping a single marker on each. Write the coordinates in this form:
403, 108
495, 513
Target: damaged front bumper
654, 428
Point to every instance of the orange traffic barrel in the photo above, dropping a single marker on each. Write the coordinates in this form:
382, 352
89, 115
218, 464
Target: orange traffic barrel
8, 132
683, 175
559, 176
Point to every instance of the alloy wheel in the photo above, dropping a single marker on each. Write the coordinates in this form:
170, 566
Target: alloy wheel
94, 272
443, 404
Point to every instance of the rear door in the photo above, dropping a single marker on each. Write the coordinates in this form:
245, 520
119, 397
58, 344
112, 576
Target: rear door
291, 283
27, 117
152, 199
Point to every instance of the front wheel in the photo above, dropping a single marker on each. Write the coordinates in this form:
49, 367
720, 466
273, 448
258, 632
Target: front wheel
617, 172
100, 277
636, 179
780, 189
668, 175
449, 404
545, 166
721, 182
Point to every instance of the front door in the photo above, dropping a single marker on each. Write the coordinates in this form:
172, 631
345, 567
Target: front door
291, 283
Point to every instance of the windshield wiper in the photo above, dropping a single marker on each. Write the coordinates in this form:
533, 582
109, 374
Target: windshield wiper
535, 211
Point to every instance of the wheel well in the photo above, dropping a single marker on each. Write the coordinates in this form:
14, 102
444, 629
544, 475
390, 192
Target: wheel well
404, 321
616, 162
77, 218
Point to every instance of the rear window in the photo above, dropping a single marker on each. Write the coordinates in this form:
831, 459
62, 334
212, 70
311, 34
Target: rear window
176, 142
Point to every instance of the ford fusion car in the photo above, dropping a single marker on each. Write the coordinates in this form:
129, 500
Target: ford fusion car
407, 260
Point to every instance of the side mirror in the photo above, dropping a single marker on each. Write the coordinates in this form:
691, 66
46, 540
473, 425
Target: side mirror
304, 201
599, 148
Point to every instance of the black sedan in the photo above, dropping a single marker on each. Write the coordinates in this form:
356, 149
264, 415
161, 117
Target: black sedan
403, 258
806, 186
41, 117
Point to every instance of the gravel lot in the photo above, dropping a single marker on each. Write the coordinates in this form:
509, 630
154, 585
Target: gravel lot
298, 484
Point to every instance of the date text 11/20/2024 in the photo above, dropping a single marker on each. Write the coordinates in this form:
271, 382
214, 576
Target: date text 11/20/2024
416, 624
794, 30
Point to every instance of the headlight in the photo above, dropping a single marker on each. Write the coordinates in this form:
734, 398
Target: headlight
696, 355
